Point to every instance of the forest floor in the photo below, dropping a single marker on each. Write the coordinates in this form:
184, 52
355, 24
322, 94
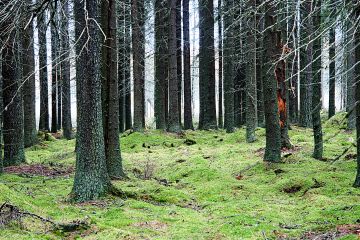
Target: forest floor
198, 185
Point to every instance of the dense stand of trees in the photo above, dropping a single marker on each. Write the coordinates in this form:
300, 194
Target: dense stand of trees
268, 74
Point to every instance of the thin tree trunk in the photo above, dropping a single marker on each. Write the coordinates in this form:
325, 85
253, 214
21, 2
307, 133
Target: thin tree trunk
127, 63
207, 62
173, 121
161, 62
220, 87
179, 56
332, 73
138, 46
259, 66
229, 66
54, 71
357, 95
120, 65
44, 88
351, 83
188, 122
316, 96
251, 89
30, 137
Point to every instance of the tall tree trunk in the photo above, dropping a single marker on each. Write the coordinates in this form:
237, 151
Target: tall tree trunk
1, 115
91, 178
44, 86
54, 70
121, 63
65, 66
127, 66
30, 137
228, 65
173, 121
351, 83
273, 137
207, 62
161, 62
251, 89
109, 90
306, 57
188, 122
14, 153
357, 97
259, 65
179, 56
332, 73
316, 96
220, 87
138, 47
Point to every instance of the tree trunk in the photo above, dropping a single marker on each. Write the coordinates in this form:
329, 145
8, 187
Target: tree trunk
306, 58
179, 56
161, 62
30, 137
109, 90
188, 123
127, 66
54, 70
91, 178
259, 66
251, 89
120, 64
357, 81
220, 87
351, 84
273, 137
316, 85
65, 66
13, 124
332, 73
207, 62
173, 121
1, 115
228, 66
138, 47
44, 87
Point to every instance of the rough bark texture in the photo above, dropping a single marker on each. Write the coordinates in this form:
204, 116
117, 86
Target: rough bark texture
109, 90
138, 47
54, 71
13, 124
220, 86
228, 66
259, 66
1, 115
332, 74
251, 89
161, 62
273, 138
207, 62
305, 67
188, 122
65, 66
44, 88
127, 66
351, 83
179, 56
173, 121
30, 137
120, 63
357, 98
316, 85
91, 178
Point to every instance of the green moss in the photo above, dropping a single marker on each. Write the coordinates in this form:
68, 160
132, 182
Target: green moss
193, 192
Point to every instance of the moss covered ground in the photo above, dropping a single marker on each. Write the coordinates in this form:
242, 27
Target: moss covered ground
197, 185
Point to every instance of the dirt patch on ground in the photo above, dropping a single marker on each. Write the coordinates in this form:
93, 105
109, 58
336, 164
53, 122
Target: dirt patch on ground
341, 231
154, 225
40, 170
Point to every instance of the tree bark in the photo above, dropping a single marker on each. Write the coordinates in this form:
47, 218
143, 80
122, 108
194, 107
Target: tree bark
251, 89
30, 137
228, 66
273, 137
54, 70
44, 87
188, 122
179, 57
207, 62
331, 110
91, 178
109, 90
220, 87
127, 66
357, 95
316, 85
173, 121
138, 47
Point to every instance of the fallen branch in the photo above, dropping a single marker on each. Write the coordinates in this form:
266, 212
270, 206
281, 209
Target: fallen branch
343, 153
